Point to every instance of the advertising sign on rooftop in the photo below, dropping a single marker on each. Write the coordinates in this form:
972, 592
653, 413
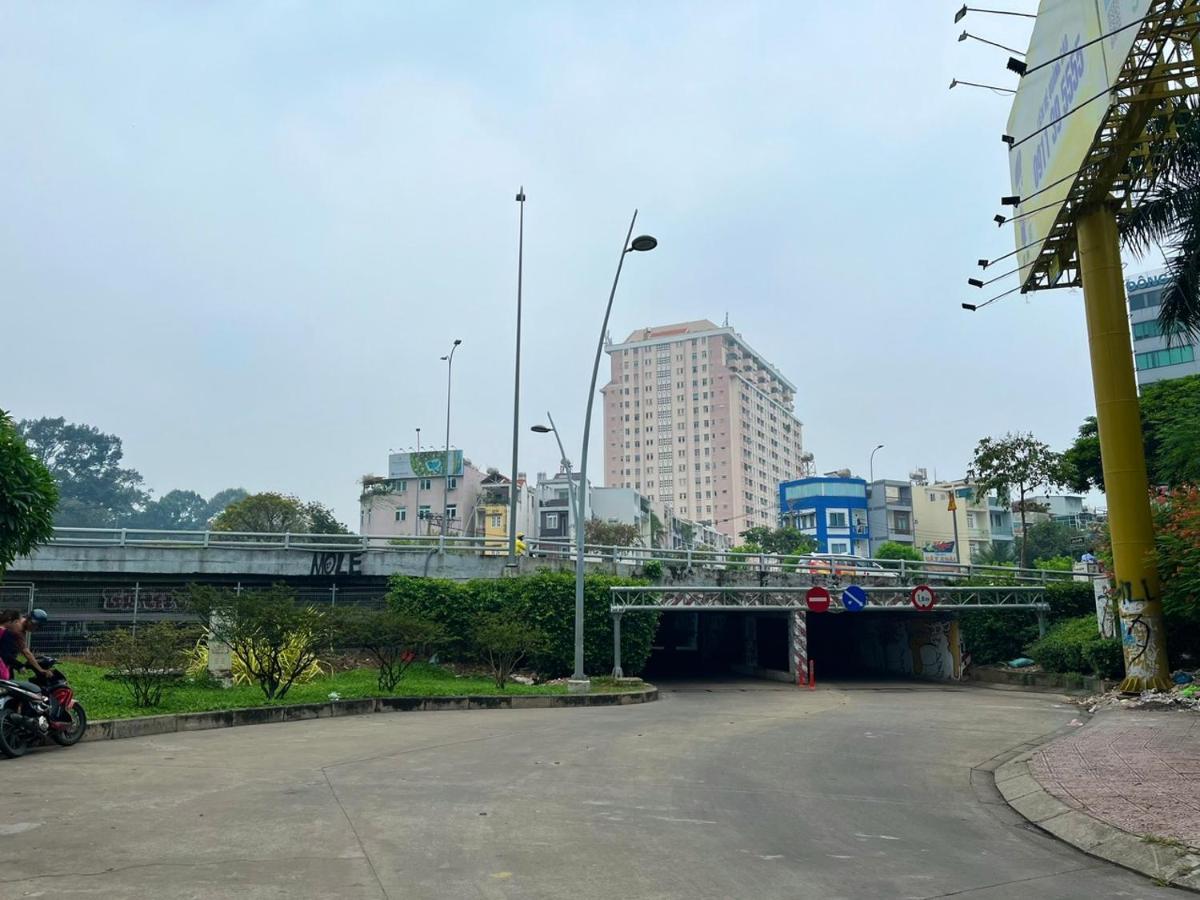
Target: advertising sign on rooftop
426, 464
1057, 110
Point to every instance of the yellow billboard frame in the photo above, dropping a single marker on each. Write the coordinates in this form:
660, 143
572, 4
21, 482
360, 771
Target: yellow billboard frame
1082, 248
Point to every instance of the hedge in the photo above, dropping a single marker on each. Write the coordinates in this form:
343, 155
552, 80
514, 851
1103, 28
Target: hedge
545, 600
997, 635
1074, 645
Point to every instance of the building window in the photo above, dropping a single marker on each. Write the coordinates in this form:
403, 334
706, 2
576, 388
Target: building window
837, 519
839, 547
495, 520
1172, 356
401, 514
423, 512
453, 483
452, 511
402, 485
971, 515
552, 521
426, 484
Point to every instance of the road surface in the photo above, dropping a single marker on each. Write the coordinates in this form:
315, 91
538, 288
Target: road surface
734, 790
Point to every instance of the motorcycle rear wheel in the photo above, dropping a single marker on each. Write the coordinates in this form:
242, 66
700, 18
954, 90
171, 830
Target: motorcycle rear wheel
14, 741
78, 728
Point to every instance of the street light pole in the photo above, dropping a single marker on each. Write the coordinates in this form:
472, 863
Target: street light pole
871, 465
578, 682
449, 358
417, 502
512, 487
566, 467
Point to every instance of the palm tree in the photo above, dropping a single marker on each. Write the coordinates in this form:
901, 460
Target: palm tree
997, 553
1168, 217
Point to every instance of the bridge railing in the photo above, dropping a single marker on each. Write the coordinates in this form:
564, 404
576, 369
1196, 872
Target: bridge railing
675, 560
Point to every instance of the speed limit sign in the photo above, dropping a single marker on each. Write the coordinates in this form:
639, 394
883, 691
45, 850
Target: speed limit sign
923, 597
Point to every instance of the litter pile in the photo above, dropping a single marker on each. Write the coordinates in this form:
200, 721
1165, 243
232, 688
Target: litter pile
1185, 694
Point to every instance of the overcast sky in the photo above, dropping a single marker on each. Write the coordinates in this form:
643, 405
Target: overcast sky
240, 235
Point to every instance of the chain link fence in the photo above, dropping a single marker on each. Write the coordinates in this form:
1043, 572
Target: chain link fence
80, 613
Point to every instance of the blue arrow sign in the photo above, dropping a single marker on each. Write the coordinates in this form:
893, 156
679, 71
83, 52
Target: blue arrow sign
854, 598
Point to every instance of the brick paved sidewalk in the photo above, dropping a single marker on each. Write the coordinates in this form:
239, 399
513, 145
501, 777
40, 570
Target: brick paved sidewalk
1136, 769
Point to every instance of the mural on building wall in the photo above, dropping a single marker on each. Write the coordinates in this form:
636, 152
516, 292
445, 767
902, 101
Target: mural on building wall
923, 646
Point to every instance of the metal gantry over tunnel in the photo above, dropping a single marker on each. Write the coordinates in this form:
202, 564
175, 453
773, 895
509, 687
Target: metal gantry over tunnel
798, 603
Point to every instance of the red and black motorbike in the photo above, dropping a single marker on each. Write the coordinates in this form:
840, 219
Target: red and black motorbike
32, 711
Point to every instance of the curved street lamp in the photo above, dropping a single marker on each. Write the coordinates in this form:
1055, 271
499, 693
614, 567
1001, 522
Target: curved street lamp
449, 360
578, 682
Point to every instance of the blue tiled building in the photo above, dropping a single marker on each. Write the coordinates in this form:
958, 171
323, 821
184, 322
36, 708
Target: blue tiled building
832, 509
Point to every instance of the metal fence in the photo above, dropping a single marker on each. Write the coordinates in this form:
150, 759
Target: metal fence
675, 559
80, 613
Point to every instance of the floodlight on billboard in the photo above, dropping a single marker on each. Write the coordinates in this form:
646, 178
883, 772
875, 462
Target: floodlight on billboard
1059, 107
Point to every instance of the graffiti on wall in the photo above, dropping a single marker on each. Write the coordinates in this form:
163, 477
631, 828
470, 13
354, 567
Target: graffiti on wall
926, 647
126, 600
336, 563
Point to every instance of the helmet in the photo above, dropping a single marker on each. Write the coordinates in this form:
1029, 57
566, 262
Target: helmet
39, 616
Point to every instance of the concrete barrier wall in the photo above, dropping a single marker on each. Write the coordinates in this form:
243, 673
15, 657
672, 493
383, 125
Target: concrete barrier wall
923, 646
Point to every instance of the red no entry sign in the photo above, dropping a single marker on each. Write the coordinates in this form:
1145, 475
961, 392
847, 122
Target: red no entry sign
923, 597
817, 599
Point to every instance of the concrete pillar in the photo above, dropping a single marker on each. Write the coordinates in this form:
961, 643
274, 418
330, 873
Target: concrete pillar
750, 640
617, 671
798, 658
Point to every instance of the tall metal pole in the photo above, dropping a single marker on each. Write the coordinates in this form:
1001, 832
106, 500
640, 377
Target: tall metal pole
1122, 453
871, 464
566, 465
446, 474
579, 677
417, 517
512, 487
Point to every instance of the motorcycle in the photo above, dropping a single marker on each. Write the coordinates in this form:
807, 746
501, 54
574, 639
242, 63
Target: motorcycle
31, 712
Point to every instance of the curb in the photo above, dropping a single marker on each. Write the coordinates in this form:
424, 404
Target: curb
145, 726
1165, 863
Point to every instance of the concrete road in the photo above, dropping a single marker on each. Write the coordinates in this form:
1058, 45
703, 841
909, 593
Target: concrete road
734, 790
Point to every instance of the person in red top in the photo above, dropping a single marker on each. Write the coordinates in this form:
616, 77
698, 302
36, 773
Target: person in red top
14, 642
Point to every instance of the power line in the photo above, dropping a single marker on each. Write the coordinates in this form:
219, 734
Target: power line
1053, 122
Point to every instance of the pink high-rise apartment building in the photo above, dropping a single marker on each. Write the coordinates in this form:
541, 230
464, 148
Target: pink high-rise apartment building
699, 422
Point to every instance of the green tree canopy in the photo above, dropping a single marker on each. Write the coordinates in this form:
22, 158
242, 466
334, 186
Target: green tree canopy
275, 513
611, 534
28, 496
95, 490
1170, 431
897, 550
1048, 539
781, 541
1015, 461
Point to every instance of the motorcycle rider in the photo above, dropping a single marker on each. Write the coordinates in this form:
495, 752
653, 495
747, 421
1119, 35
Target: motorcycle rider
14, 641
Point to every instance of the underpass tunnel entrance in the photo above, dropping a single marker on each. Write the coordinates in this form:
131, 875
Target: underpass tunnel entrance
713, 644
876, 645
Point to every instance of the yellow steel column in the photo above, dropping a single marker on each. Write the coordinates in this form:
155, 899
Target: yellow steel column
1122, 452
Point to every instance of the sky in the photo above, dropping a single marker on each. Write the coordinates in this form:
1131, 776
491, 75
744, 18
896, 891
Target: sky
239, 235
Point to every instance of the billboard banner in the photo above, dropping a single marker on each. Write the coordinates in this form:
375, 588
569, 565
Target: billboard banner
1045, 156
426, 464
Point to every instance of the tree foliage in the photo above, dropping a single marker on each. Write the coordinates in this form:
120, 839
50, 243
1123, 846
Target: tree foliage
277, 640
275, 513
1168, 219
184, 510
1015, 461
780, 541
1177, 555
897, 550
611, 534
1170, 432
147, 661
95, 490
505, 642
394, 639
28, 496
996, 553
1048, 539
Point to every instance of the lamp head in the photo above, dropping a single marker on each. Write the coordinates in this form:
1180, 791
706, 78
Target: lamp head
643, 242
962, 37
457, 341
541, 429
969, 306
953, 83
958, 16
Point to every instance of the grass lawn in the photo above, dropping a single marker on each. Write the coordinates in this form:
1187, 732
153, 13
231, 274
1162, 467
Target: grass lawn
107, 699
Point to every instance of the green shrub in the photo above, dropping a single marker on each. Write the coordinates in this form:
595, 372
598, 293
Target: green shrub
1055, 563
146, 662
997, 635
653, 569
897, 550
544, 601
504, 642
394, 639
1074, 645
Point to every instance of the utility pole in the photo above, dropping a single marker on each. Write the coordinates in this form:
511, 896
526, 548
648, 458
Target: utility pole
512, 486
